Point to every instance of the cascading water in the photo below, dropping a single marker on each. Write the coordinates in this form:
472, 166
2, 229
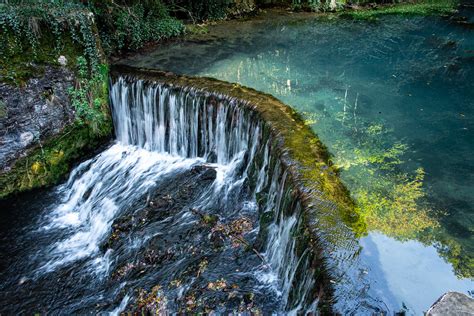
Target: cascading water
189, 210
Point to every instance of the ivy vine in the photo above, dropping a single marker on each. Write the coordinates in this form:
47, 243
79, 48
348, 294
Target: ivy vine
27, 22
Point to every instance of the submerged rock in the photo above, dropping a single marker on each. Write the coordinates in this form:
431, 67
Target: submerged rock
187, 257
452, 303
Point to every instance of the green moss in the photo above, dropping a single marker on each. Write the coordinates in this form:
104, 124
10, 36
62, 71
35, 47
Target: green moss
49, 163
421, 7
19, 62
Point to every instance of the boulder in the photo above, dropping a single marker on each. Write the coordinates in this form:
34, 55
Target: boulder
452, 303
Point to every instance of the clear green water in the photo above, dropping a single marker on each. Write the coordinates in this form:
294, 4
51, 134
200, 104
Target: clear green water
394, 103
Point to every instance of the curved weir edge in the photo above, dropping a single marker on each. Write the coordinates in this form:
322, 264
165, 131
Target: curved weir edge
327, 218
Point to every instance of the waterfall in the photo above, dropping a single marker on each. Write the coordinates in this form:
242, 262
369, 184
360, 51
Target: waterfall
218, 157
192, 123
181, 123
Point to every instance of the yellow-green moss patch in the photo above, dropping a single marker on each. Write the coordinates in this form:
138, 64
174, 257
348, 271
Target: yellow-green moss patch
48, 164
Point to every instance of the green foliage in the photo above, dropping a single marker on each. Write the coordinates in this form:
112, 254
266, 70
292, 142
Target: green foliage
25, 23
34, 35
122, 25
131, 26
390, 200
396, 208
89, 96
453, 252
389, 196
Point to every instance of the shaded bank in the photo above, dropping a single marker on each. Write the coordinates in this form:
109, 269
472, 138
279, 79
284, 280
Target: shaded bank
53, 93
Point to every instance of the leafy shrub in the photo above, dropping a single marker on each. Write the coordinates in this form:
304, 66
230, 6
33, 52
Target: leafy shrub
24, 23
122, 25
89, 96
131, 24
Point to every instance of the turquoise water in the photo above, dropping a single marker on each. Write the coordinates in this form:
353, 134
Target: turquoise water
394, 103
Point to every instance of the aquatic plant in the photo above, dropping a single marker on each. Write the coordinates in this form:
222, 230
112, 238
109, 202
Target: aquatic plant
390, 197
395, 207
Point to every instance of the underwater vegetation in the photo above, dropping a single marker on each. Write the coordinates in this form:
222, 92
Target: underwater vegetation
390, 196
380, 167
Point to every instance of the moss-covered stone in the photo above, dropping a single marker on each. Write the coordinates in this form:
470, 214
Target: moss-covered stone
48, 164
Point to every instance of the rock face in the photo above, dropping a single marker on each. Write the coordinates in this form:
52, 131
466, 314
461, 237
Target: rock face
452, 303
31, 114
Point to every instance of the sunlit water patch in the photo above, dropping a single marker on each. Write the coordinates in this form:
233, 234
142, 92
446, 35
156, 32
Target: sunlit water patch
392, 100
